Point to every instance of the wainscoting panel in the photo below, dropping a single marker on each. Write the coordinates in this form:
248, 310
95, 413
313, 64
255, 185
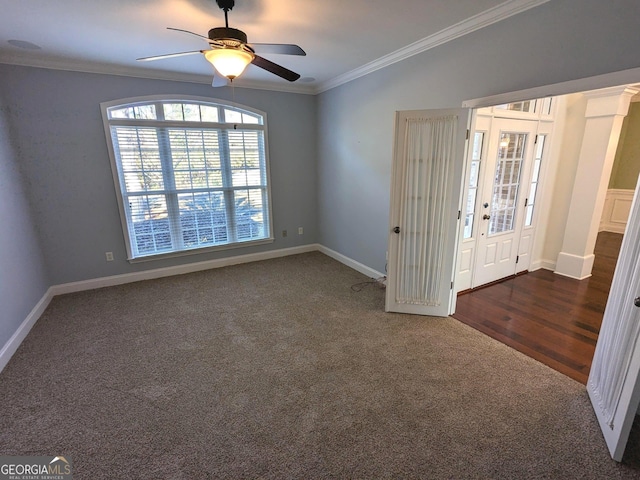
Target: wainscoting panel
616, 210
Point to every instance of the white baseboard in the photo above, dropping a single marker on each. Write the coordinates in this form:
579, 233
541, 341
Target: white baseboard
20, 334
25, 327
613, 228
543, 264
349, 262
574, 266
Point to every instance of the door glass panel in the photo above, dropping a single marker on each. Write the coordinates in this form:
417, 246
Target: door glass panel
506, 182
476, 155
546, 106
537, 161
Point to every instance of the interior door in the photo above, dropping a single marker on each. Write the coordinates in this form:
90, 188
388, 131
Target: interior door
614, 379
507, 174
428, 162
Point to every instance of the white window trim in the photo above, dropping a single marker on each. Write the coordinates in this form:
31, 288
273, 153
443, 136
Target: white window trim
105, 106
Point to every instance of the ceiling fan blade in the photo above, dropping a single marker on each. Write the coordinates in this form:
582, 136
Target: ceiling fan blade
277, 48
276, 69
187, 31
168, 55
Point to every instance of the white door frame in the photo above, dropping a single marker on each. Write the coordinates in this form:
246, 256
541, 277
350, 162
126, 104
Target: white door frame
626, 77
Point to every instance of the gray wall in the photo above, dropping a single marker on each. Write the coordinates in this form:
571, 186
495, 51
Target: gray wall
57, 126
23, 280
558, 41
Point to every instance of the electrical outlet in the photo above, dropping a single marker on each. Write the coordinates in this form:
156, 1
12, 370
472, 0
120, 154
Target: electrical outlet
109, 256
284, 233
300, 230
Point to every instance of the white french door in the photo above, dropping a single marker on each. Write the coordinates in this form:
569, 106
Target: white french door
428, 162
614, 379
507, 180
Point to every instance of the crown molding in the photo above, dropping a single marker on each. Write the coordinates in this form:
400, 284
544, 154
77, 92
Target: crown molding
616, 91
481, 20
137, 72
57, 63
277, 87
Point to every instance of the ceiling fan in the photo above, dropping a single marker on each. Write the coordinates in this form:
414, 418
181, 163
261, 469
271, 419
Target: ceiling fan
229, 52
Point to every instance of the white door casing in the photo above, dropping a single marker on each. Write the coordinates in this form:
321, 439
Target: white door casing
614, 380
472, 192
426, 182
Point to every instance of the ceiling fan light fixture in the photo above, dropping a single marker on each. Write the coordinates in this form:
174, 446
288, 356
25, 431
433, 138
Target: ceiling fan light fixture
229, 62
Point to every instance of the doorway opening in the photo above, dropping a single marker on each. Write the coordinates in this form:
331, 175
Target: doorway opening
547, 316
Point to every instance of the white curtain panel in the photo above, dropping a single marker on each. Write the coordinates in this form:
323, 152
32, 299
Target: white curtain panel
426, 166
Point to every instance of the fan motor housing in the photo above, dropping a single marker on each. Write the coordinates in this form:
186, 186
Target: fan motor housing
221, 33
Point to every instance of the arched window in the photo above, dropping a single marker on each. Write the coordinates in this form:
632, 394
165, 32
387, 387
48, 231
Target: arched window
190, 174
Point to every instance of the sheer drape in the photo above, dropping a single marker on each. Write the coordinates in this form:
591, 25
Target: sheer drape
426, 185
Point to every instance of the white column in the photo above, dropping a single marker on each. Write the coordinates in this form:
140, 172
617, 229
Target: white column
605, 112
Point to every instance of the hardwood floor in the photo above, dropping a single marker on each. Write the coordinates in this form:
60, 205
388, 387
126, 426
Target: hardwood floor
551, 318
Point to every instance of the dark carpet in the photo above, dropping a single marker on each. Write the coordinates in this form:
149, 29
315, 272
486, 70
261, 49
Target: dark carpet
280, 369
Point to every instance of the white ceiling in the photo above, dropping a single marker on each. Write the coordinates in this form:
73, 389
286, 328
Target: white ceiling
343, 38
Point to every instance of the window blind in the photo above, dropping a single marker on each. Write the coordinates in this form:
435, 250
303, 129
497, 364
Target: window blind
188, 178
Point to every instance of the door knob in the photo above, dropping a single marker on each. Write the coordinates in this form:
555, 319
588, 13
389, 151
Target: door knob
486, 217
636, 302
485, 205
396, 230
